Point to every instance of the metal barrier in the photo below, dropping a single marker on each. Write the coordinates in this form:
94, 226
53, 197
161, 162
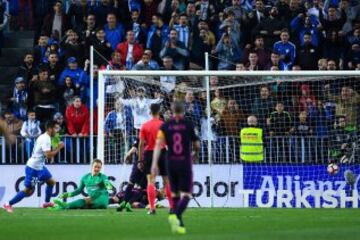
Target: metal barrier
225, 150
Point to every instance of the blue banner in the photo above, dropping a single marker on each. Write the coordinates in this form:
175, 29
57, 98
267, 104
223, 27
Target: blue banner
294, 185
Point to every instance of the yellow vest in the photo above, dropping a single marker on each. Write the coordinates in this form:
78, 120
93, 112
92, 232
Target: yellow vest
251, 149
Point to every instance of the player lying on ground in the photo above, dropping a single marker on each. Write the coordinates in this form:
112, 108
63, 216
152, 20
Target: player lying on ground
138, 197
35, 170
147, 141
137, 176
97, 186
179, 136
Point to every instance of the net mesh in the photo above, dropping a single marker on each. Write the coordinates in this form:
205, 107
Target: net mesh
308, 122
304, 119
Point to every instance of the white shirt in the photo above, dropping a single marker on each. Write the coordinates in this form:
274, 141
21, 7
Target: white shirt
38, 158
120, 123
129, 56
140, 109
167, 83
30, 128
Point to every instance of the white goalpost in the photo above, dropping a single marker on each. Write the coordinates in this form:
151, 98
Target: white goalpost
301, 114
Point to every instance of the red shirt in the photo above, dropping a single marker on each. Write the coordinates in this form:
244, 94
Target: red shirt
149, 131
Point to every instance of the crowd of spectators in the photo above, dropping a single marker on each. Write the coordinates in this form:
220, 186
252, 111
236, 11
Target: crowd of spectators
276, 35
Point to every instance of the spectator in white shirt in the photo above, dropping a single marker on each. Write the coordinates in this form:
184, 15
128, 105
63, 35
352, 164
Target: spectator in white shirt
140, 107
30, 130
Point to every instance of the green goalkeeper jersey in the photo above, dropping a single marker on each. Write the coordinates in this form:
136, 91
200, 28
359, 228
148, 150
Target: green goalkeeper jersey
95, 185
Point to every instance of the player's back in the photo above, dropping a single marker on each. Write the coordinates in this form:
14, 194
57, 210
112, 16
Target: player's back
179, 134
37, 159
149, 132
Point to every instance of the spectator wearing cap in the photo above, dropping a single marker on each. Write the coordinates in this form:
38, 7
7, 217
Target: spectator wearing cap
158, 34
114, 31
176, 50
55, 23
286, 49
79, 77
130, 51
27, 70
100, 44
270, 28
43, 96
30, 130
77, 118
307, 54
19, 99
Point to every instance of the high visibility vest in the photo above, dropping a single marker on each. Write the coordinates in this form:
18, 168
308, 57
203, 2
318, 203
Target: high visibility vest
252, 147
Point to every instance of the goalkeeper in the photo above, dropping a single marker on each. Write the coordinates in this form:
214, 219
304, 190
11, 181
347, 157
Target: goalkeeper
97, 186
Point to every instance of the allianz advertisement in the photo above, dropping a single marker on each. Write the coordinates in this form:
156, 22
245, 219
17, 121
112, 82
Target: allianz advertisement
279, 186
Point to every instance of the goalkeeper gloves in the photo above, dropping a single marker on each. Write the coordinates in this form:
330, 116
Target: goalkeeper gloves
109, 186
65, 195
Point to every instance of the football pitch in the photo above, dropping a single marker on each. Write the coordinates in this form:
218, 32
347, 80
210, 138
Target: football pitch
204, 223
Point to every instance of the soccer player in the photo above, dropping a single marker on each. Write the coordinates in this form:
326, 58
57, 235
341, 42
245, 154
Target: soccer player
137, 176
147, 141
35, 169
97, 186
179, 136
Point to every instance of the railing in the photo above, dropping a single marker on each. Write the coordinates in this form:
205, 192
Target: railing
225, 150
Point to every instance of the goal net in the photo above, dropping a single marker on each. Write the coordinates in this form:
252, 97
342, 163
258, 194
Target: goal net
308, 120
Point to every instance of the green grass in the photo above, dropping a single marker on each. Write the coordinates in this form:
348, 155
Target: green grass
207, 224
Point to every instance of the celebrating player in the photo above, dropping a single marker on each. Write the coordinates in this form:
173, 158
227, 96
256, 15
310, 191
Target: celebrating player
147, 137
35, 169
179, 136
137, 176
96, 185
